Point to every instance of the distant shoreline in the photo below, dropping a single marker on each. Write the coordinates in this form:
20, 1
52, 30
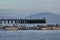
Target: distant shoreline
31, 28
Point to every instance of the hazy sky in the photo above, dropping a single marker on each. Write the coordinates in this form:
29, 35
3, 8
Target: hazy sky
32, 5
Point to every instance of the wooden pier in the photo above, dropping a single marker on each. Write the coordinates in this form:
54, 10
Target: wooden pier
22, 21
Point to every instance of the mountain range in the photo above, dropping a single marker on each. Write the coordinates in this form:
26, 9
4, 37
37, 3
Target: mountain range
50, 17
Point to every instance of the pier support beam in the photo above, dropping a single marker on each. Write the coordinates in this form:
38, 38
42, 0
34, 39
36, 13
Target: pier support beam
0, 21
4, 21
8, 22
12, 21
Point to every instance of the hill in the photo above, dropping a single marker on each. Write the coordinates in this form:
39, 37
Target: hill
50, 17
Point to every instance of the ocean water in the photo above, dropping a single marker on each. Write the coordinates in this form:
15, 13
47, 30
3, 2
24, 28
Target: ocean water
30, 35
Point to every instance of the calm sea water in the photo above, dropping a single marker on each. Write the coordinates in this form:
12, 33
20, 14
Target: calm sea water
30, 35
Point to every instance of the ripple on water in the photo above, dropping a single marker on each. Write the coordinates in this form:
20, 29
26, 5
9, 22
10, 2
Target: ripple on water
30, 35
